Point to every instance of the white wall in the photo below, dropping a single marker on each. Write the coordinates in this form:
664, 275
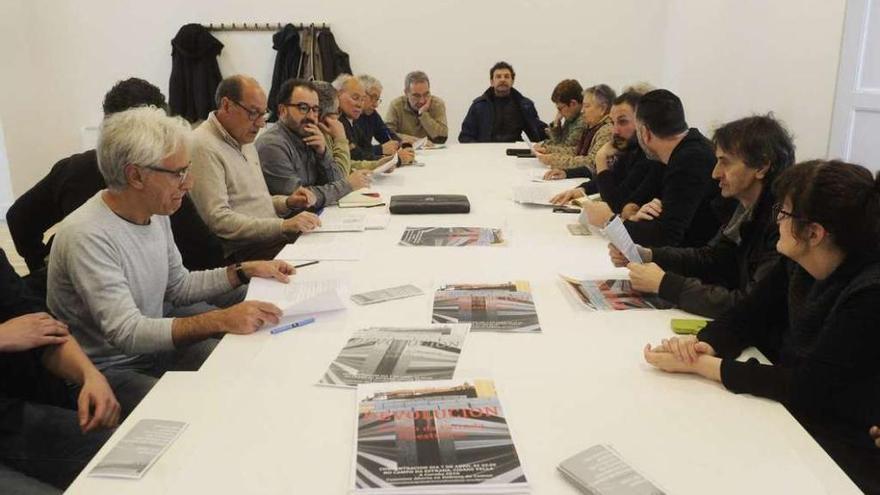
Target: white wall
725, 59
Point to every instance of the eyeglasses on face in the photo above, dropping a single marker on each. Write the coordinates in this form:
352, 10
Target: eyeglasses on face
304, 107
253, 115
779, 213
181, 174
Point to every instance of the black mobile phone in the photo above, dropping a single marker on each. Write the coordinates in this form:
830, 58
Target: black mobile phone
566, 209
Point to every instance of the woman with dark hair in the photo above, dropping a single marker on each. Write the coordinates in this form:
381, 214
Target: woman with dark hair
814, 316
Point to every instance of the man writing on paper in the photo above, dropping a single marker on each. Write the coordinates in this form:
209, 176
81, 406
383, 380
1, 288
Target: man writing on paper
294, 152
370, 123
230, 192
711, 279
418, 114
501, 114
115, 274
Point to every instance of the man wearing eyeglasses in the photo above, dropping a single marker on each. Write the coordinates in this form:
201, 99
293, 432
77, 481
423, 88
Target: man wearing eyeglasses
418, 113
231, 194
294, 153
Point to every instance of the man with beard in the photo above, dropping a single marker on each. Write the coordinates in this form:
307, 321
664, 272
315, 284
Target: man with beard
294, 153
624, 174
501, 114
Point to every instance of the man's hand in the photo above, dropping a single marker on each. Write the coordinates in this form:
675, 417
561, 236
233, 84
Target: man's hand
705, 364
555, 174
248, 316
603, 155
544, 158
617, 258
565, 197
645, 277
333, 127
539, 148
302, 222
97, 407
390, 147
277, 269
407, 156
31, 331
596, 213
360, 179
557, 121
648, 211
301, 198
875, 434
686, 348
427, 106
315, 139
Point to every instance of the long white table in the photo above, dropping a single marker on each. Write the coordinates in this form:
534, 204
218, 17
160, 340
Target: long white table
259, 424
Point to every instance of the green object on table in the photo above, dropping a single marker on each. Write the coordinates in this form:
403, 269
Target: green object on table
688, 326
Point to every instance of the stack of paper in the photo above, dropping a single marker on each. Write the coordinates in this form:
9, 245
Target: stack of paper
506, 307
139, 449
300, 296
397, 354
334, 220
448, 437
600, 470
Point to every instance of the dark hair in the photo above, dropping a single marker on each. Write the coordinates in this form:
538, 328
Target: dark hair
844, 198
662, 113
567, 90
758, 140
500, 66
603, 94
231, 87
630, 98
285, 91
132, 93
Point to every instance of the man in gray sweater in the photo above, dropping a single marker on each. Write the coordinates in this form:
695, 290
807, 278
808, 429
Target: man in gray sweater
294, 153
230, 192
114, 265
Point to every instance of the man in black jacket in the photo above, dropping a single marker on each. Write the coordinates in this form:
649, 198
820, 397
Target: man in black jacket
502, 113
684, 214
75, 179
711, 279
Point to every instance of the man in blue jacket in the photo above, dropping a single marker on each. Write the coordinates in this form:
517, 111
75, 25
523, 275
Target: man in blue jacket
502, 113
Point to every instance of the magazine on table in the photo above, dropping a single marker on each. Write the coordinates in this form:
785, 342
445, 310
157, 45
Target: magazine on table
397, 354
505, 307
434, 437
451, 236
614, 295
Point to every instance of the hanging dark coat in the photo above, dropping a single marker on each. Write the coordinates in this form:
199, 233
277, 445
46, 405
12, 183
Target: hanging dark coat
194, 72
334, 60
286, 43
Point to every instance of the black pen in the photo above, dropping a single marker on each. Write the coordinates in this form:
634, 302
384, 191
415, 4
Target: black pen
306, 264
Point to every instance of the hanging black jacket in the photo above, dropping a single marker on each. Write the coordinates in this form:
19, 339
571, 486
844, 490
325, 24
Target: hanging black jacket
334, 61
286, 43
194, 72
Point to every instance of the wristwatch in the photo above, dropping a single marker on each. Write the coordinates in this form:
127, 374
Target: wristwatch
242, 277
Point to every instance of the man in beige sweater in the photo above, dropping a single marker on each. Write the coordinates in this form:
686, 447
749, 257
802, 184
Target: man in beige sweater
230, 192
418, 113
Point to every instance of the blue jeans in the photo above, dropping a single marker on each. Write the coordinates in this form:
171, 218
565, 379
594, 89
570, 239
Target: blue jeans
42, 449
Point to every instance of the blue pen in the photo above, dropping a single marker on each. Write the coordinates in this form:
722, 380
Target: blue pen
291, 326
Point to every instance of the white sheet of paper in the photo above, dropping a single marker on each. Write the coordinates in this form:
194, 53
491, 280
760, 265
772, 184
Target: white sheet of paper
387, 166
299, 296
618, 235
139, 449
539, 193
527, 140
342, 221
330, 247
377, 221
420, 143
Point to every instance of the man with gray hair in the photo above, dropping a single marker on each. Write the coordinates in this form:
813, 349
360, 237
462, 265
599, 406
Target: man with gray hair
115, 273
231, 194
371, 123
418, 113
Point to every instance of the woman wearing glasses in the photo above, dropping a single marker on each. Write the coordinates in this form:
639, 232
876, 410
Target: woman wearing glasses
815, 316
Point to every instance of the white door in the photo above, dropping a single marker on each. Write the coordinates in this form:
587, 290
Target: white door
855, 126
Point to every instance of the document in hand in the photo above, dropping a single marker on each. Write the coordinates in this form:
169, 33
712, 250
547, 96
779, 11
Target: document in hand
139, 449
300, 296
387, 167
619, 236
541, 193
434, 437
397, 354
600, 470
612, 294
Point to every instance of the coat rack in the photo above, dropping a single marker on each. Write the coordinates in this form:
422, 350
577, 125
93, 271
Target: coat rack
259, 26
